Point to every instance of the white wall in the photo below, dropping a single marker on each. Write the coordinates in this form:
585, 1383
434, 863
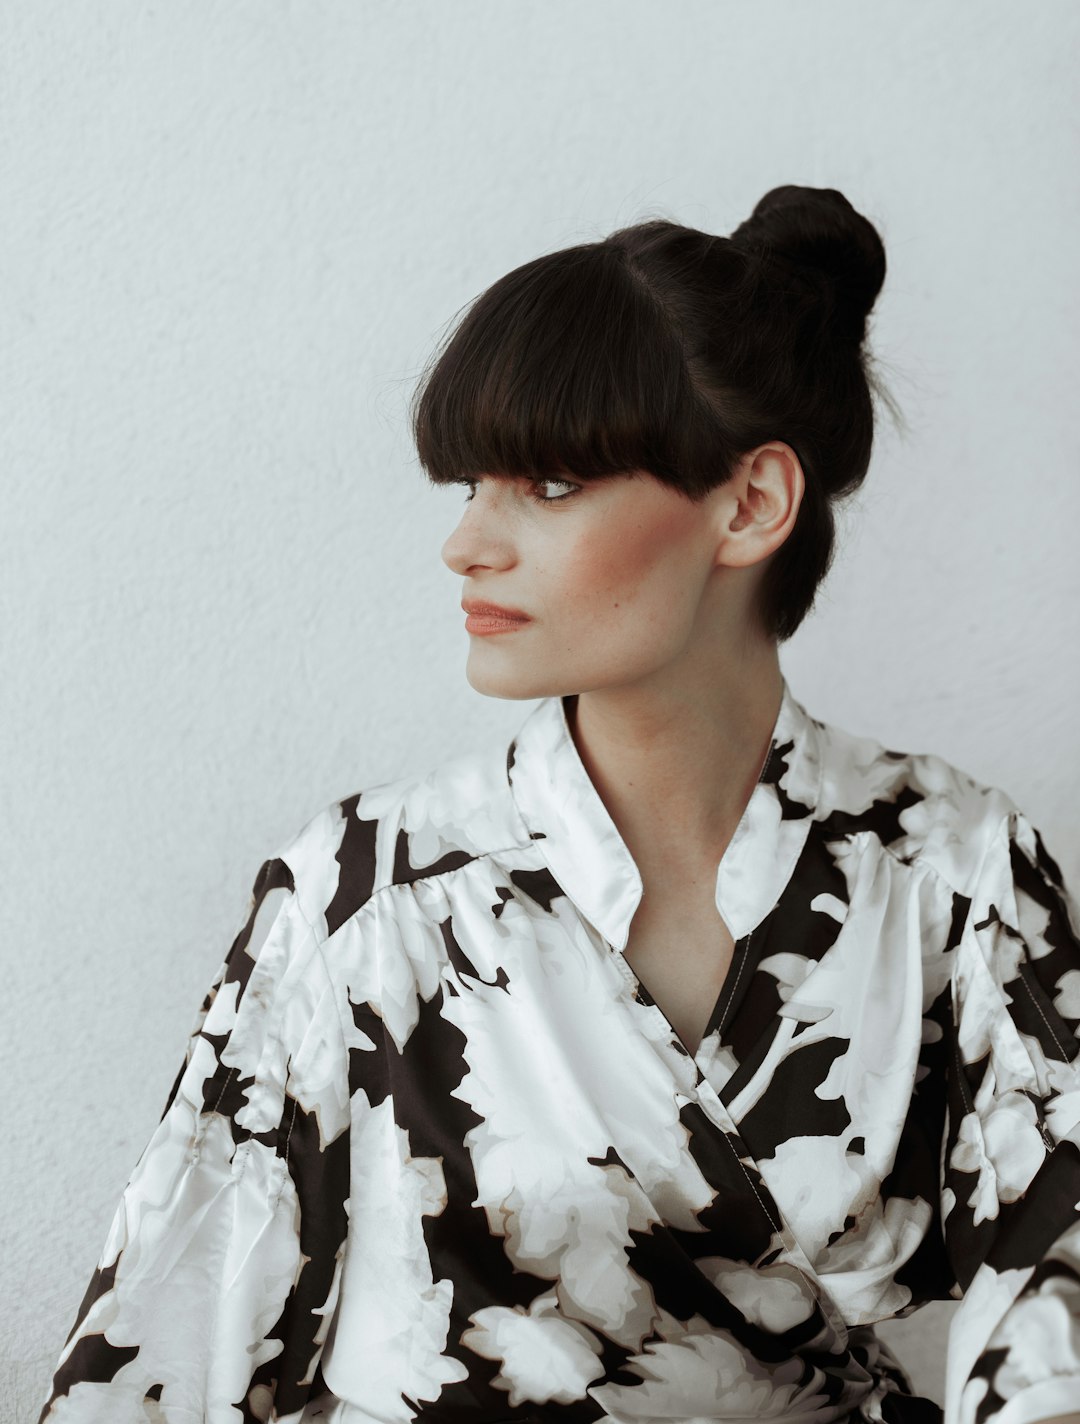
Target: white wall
232, 233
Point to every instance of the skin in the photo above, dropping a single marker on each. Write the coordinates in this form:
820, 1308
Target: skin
642, 605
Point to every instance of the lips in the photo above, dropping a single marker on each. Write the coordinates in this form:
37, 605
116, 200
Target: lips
483, 609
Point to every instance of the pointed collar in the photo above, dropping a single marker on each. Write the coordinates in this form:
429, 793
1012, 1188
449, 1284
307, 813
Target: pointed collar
584, 851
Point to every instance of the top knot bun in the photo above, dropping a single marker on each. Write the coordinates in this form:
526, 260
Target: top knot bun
818, 228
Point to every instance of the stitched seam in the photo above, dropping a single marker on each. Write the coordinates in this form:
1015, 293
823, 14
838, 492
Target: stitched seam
1049, 1140
965, 1092
223, 1087
776, 1226
738, 976
285, 1165
243, 1152
424, 879
750, 1183
1045, 1020
204, 1118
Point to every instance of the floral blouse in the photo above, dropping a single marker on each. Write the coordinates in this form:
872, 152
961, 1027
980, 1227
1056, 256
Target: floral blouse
435, 1153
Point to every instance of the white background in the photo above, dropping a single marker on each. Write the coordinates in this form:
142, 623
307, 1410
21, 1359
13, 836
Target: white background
232, 233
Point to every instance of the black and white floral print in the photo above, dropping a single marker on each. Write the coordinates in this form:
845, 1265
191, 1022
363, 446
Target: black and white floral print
435, 1153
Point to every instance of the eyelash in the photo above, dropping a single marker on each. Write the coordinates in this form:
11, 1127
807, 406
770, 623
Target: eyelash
533, 487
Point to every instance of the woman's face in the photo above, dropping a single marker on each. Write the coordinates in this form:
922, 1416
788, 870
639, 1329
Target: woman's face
619, 576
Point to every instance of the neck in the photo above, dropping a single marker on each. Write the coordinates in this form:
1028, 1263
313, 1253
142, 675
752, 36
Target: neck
676, 766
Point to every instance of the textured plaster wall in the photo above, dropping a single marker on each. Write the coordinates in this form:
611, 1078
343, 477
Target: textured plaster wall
232, 233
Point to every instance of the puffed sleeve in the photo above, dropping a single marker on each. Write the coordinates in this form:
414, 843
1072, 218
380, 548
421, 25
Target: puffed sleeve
218, 1279
1011, 1156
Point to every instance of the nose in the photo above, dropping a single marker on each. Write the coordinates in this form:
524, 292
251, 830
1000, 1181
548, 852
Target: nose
481, 539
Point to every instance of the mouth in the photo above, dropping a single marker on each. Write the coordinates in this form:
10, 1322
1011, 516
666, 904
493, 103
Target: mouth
480, 621
480, 608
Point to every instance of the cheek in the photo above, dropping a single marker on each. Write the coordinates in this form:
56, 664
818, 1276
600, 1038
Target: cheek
621, 566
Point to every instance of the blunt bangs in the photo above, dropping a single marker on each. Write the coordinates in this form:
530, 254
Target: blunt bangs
567, 365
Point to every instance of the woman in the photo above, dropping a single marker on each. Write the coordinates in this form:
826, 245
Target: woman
636, 1070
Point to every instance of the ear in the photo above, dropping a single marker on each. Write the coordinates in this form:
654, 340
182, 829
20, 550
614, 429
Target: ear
758, 506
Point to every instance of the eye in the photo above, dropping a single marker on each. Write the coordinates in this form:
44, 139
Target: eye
570, 487
535, 486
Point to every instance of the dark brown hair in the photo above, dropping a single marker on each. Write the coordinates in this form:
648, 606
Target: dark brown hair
668, 350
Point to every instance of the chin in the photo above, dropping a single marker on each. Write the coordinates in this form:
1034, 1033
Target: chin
514, 684
505, 684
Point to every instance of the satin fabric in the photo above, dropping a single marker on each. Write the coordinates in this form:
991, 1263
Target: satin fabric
434, 1151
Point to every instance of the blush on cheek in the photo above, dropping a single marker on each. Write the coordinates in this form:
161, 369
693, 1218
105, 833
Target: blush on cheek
627, 562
